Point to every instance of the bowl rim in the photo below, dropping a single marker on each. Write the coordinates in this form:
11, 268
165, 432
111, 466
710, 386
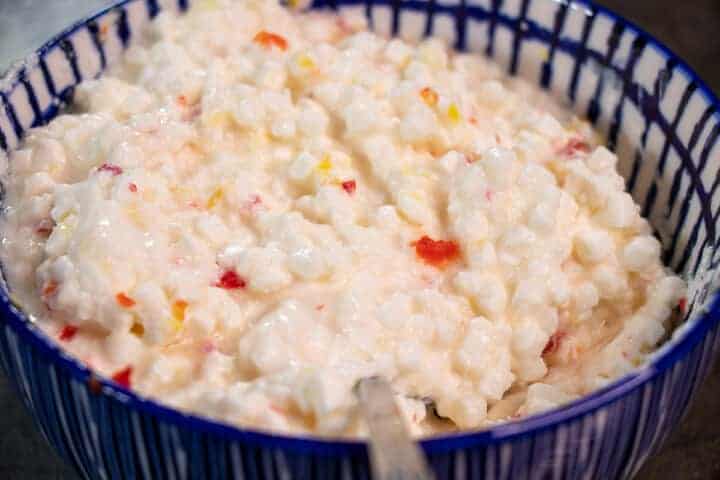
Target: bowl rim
683, 340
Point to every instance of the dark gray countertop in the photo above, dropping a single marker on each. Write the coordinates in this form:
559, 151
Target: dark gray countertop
690, 28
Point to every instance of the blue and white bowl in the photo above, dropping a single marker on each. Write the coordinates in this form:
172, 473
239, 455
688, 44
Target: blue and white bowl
657, 114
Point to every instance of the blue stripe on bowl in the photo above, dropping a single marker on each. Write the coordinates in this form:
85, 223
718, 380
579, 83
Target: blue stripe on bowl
658, 115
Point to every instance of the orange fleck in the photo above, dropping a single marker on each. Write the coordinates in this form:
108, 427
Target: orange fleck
178, 312
132, 187
124, 301
50, 288
182, 100
429, 96
269, 40
320, 307
437, 252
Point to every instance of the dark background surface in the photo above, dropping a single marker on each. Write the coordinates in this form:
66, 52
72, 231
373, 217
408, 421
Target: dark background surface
691, 28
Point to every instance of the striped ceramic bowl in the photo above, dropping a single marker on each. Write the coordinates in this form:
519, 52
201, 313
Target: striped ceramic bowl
656, 113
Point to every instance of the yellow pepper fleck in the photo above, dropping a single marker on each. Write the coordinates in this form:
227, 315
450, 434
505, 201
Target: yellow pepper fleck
304, 61
65, 216
325, 164
216, 196
453, 113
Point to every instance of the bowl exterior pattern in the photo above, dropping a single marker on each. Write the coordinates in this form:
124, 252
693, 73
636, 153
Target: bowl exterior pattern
655, 112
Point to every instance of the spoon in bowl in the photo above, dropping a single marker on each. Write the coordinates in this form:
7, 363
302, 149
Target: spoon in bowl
393, 454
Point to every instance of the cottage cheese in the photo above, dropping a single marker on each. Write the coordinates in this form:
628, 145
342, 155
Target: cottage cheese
260, 207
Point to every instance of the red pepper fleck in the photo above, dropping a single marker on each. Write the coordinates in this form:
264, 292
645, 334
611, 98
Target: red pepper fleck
124, 301
109, 167
122, 377
349, 186
489, 194
437, 252
44, 227
182, 100
682, 304
269, 40
230, 280
320, 307
553, 342
68, 332
573, 147
132, 187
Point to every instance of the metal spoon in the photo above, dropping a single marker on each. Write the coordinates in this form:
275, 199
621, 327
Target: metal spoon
393, 454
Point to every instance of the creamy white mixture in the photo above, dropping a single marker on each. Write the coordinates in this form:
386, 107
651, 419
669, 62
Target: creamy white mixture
259, 207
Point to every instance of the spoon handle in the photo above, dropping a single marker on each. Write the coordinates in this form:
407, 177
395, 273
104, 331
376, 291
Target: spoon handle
393, 454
